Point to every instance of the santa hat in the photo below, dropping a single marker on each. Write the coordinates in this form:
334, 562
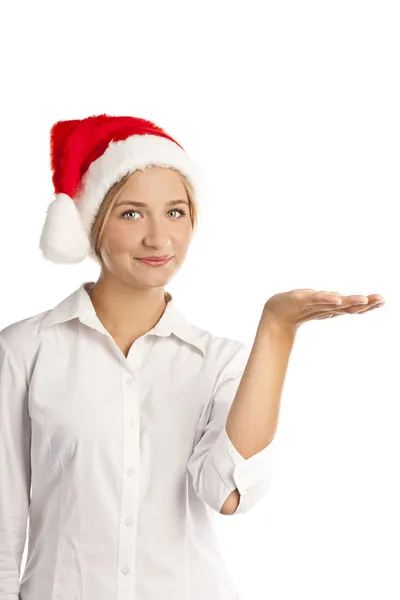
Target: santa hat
87, 157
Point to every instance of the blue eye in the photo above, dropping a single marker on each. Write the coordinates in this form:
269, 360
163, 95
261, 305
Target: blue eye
127, 212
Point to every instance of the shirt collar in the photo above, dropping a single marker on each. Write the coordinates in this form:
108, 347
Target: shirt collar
79, 305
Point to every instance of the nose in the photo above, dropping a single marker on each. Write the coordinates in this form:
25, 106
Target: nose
157, 236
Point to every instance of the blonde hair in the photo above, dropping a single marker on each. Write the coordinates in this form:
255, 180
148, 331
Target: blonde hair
111, 197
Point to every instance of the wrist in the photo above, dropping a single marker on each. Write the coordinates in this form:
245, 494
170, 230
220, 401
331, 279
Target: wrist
271, 321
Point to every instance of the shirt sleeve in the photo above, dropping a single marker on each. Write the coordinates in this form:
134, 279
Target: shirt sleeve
216, 466
15, 472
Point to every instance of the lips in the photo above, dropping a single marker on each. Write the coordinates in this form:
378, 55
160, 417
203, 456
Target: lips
155, 263
154, 258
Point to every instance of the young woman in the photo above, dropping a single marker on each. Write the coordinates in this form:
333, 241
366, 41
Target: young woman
124, 428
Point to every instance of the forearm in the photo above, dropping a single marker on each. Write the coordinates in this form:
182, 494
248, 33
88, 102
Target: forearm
253, 417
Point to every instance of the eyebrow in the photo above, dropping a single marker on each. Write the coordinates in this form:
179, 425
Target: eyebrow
170, 203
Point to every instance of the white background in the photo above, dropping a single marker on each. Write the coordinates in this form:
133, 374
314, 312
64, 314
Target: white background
292, 111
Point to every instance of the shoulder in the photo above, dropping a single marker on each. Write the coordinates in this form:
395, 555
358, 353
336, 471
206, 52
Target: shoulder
21, 339
226, 353
20, 332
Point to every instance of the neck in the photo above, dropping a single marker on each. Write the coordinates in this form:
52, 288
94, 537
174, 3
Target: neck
124, 310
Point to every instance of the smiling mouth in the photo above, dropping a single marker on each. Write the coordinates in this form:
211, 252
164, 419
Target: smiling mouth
155, 263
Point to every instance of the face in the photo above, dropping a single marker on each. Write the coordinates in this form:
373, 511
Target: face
150, 218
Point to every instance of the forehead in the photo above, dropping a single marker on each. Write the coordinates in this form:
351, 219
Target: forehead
153, 184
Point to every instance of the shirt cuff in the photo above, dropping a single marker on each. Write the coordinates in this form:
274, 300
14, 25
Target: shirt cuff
237, 471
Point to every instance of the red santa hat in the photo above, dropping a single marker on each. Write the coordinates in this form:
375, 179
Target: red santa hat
87, 157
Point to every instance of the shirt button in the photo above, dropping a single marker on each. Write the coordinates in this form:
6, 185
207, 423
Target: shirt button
129, 381
130, 472
125, 570
128, 521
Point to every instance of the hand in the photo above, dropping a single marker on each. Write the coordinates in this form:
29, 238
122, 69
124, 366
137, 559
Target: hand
298, 306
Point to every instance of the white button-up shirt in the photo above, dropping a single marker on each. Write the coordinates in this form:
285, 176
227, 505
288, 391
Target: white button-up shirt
120, 463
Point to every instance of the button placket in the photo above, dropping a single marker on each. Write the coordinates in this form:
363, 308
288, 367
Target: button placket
130, 496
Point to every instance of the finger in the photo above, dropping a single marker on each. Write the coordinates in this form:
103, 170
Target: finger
361, 309
348, 310
370, 308
357, 299
323, 300
343, 302
326, 298
329, 316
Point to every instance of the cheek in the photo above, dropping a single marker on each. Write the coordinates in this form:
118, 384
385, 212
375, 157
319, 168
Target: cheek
118, 237
185, 231
188, 235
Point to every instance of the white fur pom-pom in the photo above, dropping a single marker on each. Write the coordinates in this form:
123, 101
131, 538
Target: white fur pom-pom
63, 238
